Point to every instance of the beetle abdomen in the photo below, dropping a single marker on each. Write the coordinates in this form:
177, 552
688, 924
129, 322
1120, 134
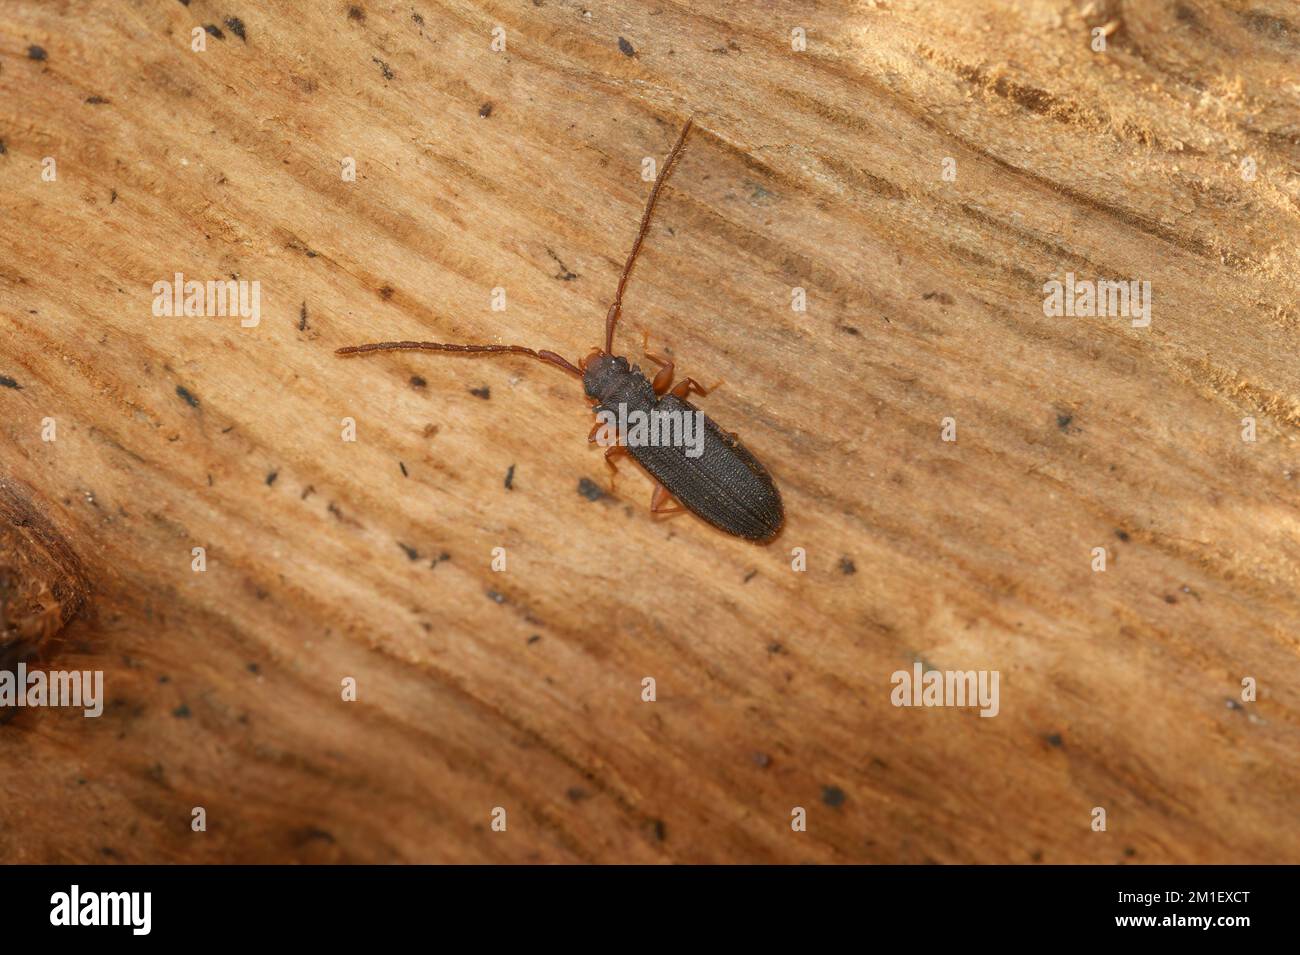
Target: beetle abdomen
725, 485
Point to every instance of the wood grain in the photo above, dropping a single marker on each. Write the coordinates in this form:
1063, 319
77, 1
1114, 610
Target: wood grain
521, 169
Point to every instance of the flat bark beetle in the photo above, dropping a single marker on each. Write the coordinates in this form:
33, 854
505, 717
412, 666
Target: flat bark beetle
713, 476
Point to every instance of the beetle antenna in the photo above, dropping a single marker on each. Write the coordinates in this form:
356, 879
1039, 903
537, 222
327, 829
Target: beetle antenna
611, 319
547, 356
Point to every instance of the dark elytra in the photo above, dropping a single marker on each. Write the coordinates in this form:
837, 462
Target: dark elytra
725, 485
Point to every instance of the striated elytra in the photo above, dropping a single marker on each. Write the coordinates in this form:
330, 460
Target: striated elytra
724, 484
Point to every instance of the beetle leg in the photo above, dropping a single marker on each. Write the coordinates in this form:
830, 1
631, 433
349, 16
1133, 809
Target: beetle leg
684, 387
612, 452
664, 377
659, 499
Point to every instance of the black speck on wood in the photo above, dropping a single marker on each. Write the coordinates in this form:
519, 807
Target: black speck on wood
484, 392
383, 68
510, 478
417, 381
386, 292
7, 382
35, 52
496, 597
847, 566
2, 147
1063, 421
95, 101
590, 489
411, 552
181, 712
302, 317
214, 30
833, 796
625, 48
1122, 535
402, 465
485, 110
236, 27
565, 274
270, 478
356, 13
186, 396
298, 246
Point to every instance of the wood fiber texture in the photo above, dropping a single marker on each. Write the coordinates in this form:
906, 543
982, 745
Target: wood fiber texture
1169, 157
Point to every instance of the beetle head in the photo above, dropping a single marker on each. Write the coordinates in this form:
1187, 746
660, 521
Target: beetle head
602, 373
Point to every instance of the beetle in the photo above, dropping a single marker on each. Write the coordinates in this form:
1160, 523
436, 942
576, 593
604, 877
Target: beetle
721, 482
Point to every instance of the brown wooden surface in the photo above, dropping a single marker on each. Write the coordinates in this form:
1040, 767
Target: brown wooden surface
521, 689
